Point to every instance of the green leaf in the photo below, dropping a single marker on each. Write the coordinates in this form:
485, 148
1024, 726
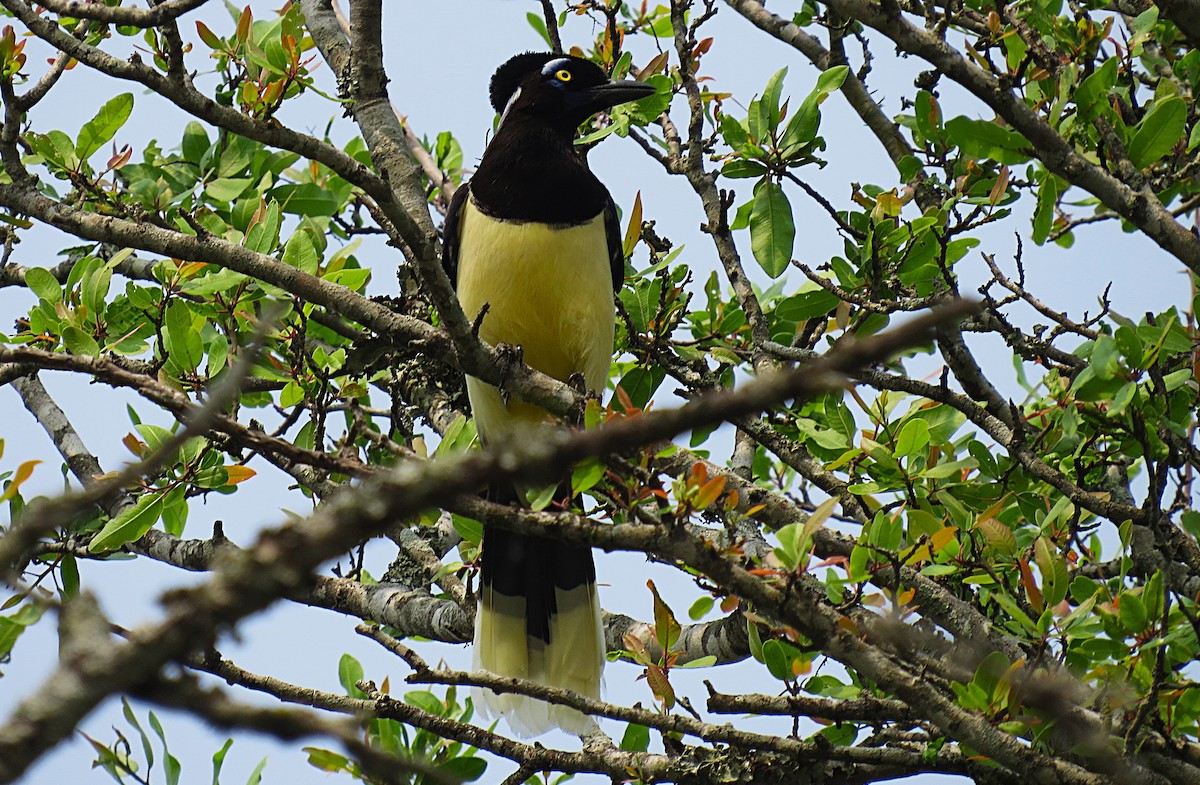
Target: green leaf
55, 148
772, 232
806, 305
325, 760
1132, 612
236, 156
130, 524
154, 435
426, 701
913, 438
43, 284
227, 189
183, 341
212, 282
305, 199
1103, 358
458, 437
263, 236
464, 769
195, 142
11, 627
300, 253
1190, 520
586, 474
1043, 214
666, 628
212, 477
291, 394
985, 139
69, 574
1013, 610
104, 126
171, 764
255, 777
469, 529
646, 110
778, 657
791, 545
448, 151
1122, 398
802, 128
928, 115
1130, 345
539, 25
661, 27
79, 342
831, 79
741, 168
700, 662
1159, 131
641, 301
1152, 595
96, 276
540, 498
733, 131
700, 608
1083, 589
219, 761
352, 278
350, 672
636, 738
1144, 22
640, 384
1055, 579
175, 511
1092, 93
769, 103
949, 469
754, 640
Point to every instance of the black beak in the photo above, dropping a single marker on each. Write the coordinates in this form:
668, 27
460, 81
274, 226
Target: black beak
613, 93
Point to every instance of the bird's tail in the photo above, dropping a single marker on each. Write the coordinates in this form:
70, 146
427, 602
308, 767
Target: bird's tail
538, 619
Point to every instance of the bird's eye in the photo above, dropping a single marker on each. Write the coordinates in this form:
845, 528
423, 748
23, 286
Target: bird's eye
563, 75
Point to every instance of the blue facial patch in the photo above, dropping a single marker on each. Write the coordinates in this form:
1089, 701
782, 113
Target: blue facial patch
554, 65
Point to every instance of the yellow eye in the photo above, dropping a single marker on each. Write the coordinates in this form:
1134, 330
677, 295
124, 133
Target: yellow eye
563, 75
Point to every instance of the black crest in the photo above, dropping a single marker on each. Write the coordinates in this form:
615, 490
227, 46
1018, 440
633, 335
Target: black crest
509, 76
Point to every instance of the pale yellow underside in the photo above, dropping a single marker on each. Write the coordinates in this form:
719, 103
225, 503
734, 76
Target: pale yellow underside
549, 291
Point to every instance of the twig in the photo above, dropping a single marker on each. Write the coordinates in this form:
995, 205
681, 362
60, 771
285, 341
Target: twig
551, 26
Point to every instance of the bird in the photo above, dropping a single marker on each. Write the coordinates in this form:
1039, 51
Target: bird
532, 244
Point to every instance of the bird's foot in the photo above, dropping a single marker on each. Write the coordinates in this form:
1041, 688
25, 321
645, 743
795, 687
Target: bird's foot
577, 383
509, 356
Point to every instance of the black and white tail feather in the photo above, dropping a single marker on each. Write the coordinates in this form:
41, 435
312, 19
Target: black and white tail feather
540, 621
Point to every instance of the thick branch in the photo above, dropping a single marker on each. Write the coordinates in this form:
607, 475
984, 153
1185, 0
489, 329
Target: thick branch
154, 16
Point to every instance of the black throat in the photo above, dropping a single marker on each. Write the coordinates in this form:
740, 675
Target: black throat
533, 172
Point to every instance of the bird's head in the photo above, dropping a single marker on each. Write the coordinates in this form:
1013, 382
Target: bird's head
557, 90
